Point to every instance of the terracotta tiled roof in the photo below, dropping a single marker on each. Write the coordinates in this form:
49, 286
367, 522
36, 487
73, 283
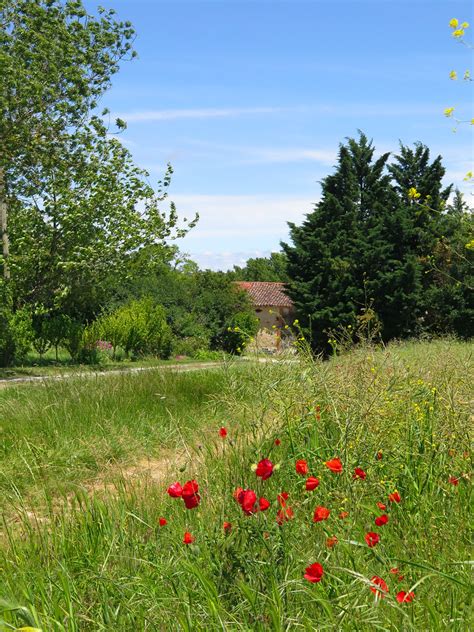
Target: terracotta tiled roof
266, 293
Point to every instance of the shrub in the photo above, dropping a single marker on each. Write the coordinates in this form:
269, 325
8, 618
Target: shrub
208, 355
73, 338
190, 345
243, 326
16, 335
139, 327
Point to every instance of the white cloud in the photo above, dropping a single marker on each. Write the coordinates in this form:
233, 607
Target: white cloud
289, 154
233, 228
347, 110
194, 113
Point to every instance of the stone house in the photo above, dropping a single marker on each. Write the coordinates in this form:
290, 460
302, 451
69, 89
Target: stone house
272, 306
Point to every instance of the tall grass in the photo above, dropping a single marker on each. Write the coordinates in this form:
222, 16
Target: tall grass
56, 435
402, 414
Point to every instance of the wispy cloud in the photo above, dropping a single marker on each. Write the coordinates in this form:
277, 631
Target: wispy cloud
348, 109
231, 221
289, 154
195, 113
249, 154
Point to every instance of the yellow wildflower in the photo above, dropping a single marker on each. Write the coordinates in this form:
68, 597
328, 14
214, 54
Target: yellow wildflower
458, 33
413, 194
448, 112
453, 75
467, 75
465, 25
454, 23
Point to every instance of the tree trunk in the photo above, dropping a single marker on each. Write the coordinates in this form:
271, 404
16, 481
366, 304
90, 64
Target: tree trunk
4, 225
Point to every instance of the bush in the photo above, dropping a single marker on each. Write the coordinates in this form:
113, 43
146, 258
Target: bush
190, 345
139, 327
73, 338
243, 326
208, 355
16, 335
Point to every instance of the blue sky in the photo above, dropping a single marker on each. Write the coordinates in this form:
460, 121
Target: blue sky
249, 100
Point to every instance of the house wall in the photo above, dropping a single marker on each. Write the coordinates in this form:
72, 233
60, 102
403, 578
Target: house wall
269, 316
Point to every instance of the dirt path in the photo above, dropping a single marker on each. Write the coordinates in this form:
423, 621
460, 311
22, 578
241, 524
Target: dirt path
180, 368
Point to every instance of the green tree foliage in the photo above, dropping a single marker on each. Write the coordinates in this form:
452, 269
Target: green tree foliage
200, 305
57, 61
76, 227
74, 209
272, 268
243, 326
139, 327
370, 247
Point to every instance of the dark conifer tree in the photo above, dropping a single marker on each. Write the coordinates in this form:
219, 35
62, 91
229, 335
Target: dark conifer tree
328, 260
369, 243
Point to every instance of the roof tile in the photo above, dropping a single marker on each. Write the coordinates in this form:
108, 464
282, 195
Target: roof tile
266, 293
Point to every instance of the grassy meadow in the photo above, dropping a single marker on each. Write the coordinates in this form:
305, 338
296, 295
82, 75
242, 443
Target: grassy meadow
92, 541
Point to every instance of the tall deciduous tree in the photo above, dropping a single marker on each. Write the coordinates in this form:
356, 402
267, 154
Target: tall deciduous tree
272, 268
86, 211
57, 60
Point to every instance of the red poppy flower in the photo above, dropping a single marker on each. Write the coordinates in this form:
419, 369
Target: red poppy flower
404, 597
190, 494
237, 493
188, 538
372, 538
343, 515
453, 480
223, 432
382, 506
381, 520
283, 515
227, 526
175, 490
334, 465
314, 573
301, 467
359, 473
332, 541
264, 469
282, 498
382, 587
394, 497
263, 504
277, 442
321, 513
311, 483
247, 499
162, 522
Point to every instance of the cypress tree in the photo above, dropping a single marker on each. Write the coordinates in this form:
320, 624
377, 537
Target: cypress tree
328, 261
369, 243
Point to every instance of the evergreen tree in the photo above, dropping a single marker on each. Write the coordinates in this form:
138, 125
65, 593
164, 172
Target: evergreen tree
450, 294
367, 244
326, 278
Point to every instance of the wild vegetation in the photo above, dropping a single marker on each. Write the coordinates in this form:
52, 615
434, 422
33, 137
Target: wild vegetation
87, 240
328, 495
327, 490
